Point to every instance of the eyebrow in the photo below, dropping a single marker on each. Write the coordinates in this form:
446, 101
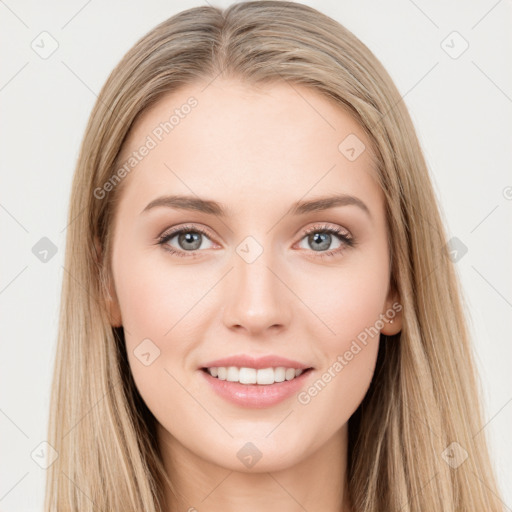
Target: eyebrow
182, 202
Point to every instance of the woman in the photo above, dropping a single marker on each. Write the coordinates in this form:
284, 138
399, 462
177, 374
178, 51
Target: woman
309, 349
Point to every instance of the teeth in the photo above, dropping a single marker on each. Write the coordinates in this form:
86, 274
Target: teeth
232, 374
290, 373
279, 374
247, 375
263, 376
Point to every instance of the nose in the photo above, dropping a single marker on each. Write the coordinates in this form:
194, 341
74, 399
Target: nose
257, 298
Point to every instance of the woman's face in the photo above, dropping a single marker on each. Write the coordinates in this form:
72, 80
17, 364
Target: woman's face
265, 274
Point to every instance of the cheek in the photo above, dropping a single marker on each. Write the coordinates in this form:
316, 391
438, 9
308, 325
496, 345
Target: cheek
350, 304
154, 296
348, 353
161, 307
338, 389
348, 300
154, 304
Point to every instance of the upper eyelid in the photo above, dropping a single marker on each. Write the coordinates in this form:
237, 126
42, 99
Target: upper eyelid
193, 227
174, 231
339, 231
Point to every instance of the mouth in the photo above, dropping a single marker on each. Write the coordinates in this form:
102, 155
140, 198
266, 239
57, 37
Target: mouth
255, 388
255, 376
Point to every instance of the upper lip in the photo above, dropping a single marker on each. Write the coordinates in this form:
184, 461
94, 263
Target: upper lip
247, 361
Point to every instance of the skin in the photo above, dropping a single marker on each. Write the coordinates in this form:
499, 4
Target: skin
256, 151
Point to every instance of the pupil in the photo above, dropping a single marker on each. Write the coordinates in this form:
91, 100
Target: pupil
319, 240
191, 238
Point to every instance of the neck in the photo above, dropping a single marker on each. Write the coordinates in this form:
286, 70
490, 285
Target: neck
316, 482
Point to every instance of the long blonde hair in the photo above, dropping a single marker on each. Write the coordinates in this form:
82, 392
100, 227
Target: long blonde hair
424, 395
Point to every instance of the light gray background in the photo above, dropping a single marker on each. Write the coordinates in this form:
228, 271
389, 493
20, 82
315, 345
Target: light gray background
461, 108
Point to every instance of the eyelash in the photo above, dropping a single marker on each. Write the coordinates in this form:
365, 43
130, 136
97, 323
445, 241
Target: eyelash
338, 232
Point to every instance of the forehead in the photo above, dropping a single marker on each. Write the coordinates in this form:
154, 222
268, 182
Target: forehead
236, 142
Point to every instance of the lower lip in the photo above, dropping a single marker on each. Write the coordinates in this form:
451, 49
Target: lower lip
256, 396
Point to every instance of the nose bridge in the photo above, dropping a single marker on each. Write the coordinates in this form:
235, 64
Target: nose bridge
257, 298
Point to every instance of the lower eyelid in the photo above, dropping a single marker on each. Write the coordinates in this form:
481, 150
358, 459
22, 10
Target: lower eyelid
342, 235
166, 238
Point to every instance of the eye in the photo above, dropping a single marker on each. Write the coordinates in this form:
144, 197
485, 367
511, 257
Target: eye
321, 238
188, 238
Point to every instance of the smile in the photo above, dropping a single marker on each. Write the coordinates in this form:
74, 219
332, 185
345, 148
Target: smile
261, 376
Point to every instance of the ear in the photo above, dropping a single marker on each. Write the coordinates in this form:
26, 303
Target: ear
109, 293
392, 314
